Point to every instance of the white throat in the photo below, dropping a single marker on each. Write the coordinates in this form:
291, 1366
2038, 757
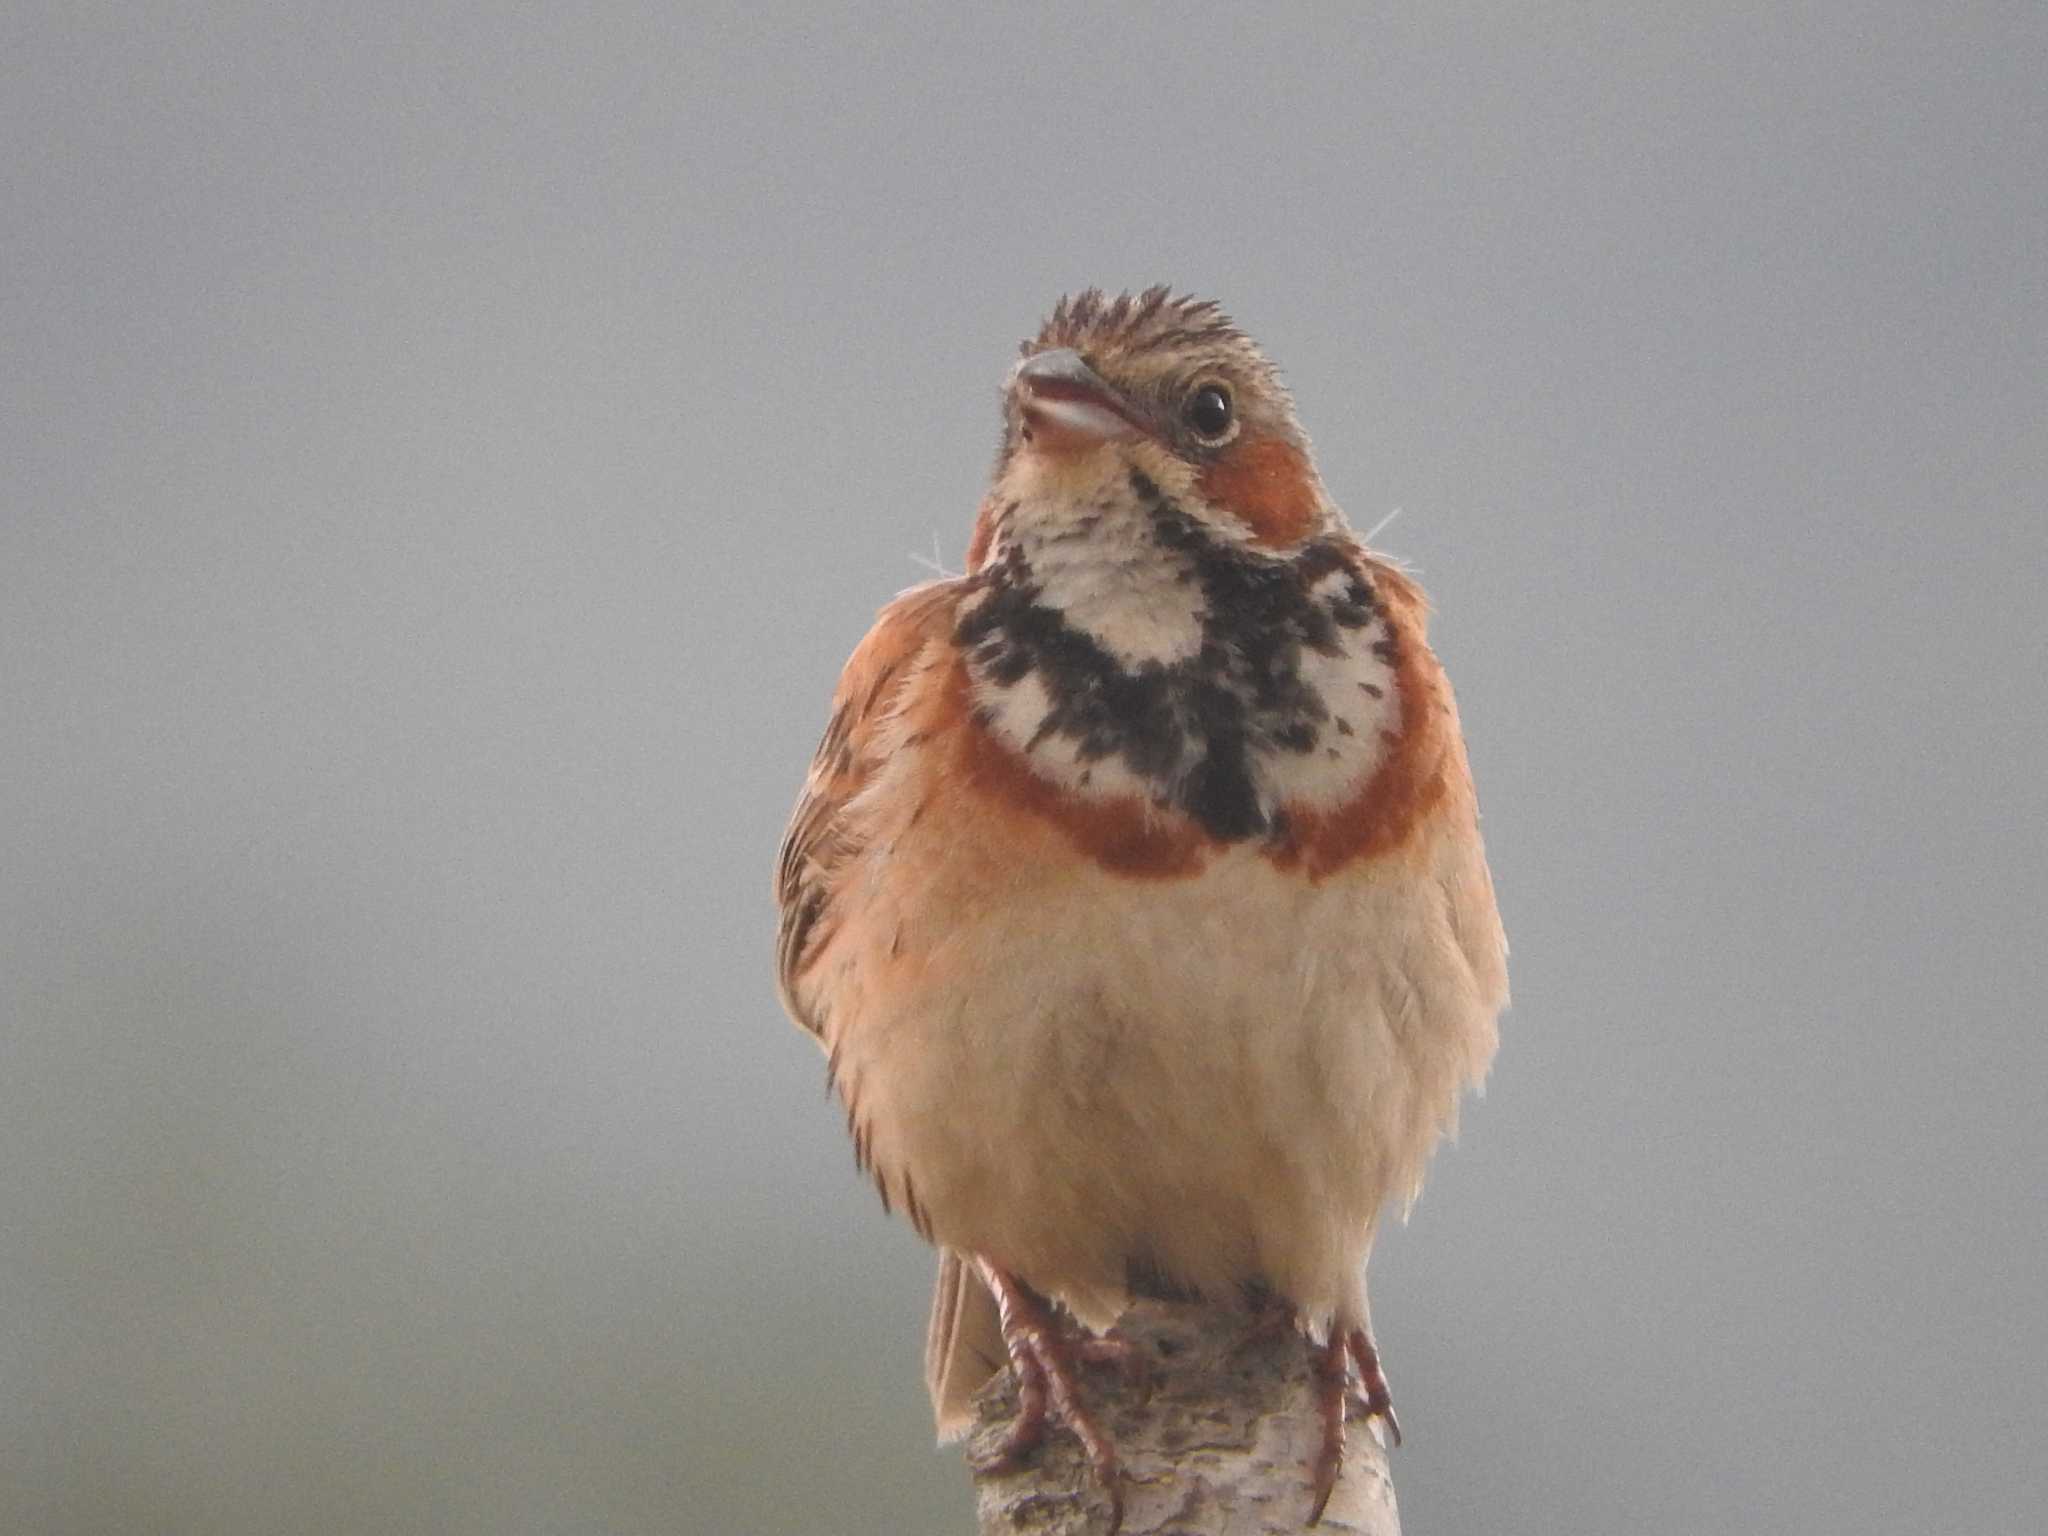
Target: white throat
1107, 578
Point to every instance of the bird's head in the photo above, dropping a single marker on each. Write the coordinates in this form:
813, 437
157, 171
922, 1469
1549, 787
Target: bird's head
1165, 389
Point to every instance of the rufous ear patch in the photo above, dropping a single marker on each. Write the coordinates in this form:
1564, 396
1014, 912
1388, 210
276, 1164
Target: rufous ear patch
1267, 483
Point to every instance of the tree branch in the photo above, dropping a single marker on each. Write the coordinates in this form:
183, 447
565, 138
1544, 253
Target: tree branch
1220, 1447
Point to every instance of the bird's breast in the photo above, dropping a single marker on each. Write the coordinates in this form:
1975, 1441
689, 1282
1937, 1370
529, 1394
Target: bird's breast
1228, 694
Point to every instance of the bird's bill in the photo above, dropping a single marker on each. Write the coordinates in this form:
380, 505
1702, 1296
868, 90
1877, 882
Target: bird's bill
1066, 406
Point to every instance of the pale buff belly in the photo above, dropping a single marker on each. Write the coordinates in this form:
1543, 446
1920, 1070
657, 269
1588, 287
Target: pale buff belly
1220, 1080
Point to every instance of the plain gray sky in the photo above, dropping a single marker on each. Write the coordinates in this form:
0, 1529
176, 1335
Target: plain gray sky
448, 455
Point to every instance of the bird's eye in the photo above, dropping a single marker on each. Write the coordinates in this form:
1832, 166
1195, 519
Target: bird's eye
1208, 411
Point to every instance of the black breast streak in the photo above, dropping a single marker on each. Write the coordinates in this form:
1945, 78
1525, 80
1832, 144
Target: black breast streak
1196, 729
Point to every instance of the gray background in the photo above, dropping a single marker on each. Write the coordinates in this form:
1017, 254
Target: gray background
447, 458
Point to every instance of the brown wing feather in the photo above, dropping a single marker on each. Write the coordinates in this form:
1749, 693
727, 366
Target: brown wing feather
822, 838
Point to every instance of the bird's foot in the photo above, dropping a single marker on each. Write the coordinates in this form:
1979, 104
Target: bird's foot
1045, 1360
1336, 1394
1374, 1397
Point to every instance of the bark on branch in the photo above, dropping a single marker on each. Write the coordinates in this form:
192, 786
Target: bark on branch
1221, 1446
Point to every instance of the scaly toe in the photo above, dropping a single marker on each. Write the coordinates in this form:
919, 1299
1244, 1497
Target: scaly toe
1046, 1363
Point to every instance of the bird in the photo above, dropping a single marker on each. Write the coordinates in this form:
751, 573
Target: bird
1135, 893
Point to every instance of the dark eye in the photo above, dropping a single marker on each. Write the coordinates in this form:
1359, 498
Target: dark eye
1208, 411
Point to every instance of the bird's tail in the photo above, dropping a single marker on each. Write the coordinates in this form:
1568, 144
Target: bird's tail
963, 1347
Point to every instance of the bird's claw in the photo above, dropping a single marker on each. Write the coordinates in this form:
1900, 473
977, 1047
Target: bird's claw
1336, 1395
1045, 1362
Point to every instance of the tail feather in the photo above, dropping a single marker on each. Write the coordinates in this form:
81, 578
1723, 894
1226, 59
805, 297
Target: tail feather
963, 1347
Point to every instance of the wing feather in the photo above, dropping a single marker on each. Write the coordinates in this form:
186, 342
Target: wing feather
824, 839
